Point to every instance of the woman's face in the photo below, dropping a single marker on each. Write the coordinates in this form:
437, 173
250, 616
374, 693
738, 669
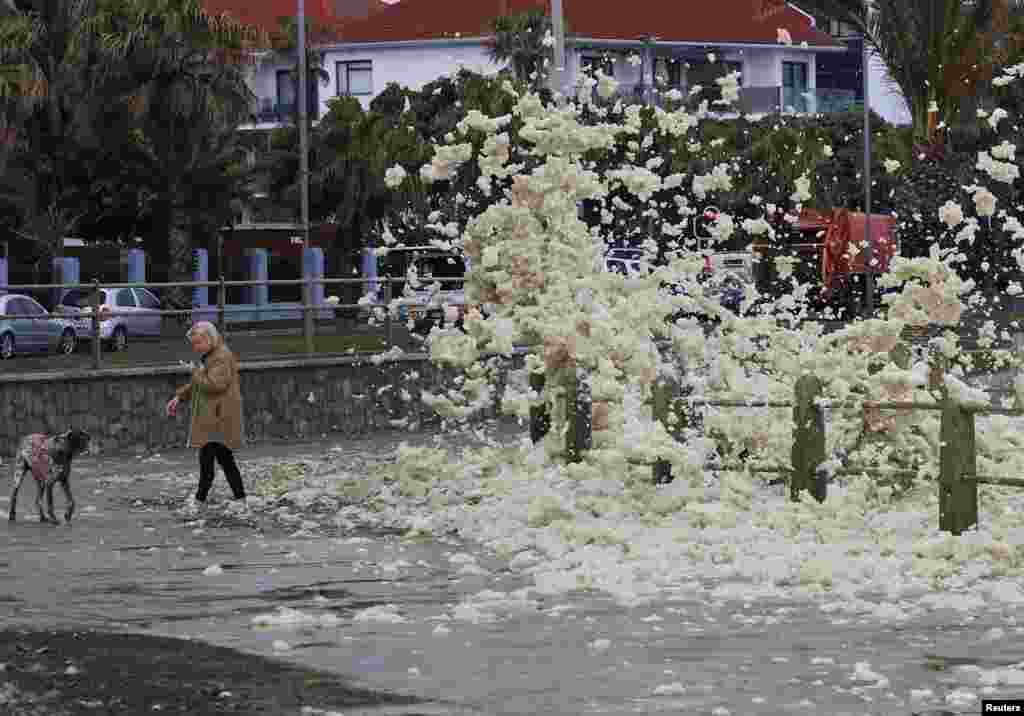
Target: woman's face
200, 342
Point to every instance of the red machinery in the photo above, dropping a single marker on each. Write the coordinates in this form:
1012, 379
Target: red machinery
843, 250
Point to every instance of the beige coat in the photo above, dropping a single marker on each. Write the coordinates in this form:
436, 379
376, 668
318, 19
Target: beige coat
216, 400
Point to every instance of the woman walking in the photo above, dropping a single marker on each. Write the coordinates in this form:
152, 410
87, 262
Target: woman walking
216, 397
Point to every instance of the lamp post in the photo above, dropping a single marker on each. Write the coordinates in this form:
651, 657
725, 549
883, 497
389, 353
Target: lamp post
558, 30
303, 128
869, 251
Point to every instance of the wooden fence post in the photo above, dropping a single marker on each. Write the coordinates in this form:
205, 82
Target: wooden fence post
670, 412
578, 435
540, 418
808, 439
900, 355
958, 497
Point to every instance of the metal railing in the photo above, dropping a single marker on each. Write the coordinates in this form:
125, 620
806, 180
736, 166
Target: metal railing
767, 99
384, 301
958, 478
809, 469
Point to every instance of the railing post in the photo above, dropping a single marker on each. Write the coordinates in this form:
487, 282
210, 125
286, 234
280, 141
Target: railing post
307, 314
900, 355
540, 418
578, 435
96, 347
958, 497
222, 299
670, 413
387, 313
808, 439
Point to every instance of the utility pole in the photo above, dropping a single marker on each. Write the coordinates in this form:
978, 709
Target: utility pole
303, 125
558, 29
869, 251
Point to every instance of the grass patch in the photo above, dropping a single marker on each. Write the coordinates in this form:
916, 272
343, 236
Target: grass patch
328, 344
121, 359
284, 345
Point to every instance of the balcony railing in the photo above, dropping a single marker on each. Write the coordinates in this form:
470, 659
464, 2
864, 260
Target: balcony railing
752, 100
268, 111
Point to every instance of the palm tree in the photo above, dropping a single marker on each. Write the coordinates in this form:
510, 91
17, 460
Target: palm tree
519, 40
180, 72
47, 71
286, 42
922, 43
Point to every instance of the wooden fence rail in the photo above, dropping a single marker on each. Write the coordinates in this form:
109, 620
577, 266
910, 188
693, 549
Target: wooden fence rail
674, 407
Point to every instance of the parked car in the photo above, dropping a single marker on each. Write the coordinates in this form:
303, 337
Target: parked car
729, 274
31, 328
441, 276
139, 314
725, 277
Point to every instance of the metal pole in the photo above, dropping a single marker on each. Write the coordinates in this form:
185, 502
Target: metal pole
869, 251
307, 317
303, 128
558, 30
222, 299
387, 313
94, 300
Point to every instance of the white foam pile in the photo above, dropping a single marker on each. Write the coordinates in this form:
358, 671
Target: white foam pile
865, 551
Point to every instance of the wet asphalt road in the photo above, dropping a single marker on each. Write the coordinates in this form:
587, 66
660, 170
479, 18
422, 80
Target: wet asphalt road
131, 564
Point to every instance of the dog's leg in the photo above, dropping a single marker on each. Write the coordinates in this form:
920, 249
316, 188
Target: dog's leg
40, 492
50, 484
71, 500
16, 479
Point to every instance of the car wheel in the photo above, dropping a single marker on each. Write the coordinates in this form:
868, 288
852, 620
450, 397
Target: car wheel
120, 340
6, 346
68, 343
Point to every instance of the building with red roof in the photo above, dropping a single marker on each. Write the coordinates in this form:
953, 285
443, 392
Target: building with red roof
413, 42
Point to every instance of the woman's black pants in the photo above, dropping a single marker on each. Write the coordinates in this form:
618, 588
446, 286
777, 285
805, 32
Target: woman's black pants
222, 454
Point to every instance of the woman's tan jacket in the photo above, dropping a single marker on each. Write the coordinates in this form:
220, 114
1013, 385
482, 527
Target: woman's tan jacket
216, 398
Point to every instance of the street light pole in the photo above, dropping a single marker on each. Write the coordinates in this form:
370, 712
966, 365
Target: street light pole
558, 30
303, 128
869, 252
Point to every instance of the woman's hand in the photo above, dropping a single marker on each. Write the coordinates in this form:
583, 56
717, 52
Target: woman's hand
172, 407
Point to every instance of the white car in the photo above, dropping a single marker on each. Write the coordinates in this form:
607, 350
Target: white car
139, 308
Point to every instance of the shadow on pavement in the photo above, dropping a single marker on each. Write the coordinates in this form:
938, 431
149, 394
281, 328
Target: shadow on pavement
76, 673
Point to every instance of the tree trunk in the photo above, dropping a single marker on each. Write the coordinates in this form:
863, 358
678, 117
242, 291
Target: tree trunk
49, 228
155, 242
179, 259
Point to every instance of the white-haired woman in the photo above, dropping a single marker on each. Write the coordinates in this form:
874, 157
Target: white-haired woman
216, 397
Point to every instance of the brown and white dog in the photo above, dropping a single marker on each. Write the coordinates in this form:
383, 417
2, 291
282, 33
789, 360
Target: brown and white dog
48, 458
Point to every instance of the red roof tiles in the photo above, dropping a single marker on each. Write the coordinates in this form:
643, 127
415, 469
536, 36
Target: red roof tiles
329, 14
721, 21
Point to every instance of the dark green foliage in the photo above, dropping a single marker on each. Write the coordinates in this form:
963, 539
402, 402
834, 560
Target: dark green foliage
390, 102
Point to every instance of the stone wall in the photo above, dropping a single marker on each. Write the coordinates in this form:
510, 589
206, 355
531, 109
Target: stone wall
123, 409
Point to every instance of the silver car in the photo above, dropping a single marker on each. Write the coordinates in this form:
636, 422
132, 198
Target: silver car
139, 309
29, 328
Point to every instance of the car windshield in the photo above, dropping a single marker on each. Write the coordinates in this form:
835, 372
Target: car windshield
441, 266
80, 298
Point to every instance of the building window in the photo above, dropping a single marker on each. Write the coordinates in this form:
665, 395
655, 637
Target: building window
590, 64
670, 69
795, 87
355, 77
794, 74
287, 91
